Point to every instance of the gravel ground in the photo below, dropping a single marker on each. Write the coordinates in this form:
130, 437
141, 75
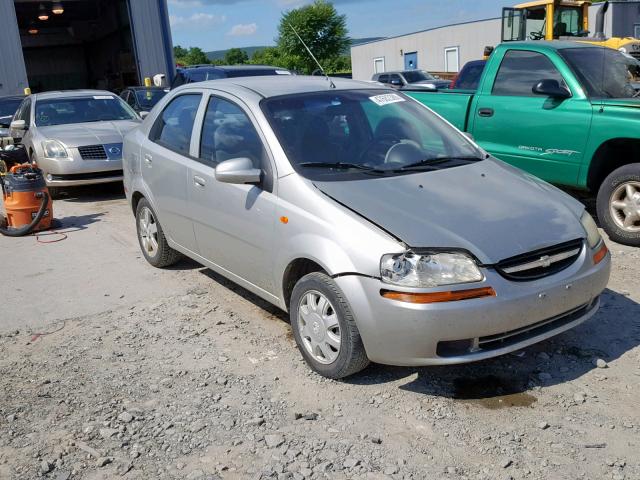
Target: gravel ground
116, 370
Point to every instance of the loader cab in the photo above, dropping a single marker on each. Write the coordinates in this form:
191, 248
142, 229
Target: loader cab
545, 20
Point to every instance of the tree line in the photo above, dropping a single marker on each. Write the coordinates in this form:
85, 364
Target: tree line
318, 24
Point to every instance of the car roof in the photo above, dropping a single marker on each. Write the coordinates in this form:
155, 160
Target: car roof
12, 97
233, 67
71, 94
551, 45
475, 62
276, 85
145, 88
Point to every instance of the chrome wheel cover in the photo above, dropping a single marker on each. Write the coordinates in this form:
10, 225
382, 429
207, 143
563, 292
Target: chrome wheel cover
624, 206
148, 232
319, 327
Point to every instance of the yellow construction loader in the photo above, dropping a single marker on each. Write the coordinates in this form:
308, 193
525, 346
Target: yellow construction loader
561, 20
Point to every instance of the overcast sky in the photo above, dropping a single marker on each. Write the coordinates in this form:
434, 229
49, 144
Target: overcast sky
221, 24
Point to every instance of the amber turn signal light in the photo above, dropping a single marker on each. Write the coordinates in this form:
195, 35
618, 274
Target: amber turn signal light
600, 254
439, 297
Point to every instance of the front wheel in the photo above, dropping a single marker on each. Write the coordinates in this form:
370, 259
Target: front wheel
618, 205
324, 328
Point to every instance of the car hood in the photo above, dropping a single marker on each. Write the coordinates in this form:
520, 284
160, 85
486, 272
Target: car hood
424, 83
488, 208
95, 133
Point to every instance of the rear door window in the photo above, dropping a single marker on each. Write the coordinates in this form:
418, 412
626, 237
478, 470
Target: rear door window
520, 70
174, 126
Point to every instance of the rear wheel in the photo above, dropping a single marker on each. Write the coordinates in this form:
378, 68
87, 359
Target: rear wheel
618, 205
324, 328
153, 243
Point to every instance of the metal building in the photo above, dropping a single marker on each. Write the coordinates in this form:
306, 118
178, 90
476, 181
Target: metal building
68, 44
441, 49
448, 48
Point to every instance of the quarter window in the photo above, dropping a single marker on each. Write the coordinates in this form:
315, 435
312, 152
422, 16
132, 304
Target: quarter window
174, 126
521, 70
228, 133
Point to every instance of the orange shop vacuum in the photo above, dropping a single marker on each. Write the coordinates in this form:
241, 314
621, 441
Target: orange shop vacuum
27, 202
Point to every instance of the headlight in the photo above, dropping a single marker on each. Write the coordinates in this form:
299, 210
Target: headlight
54, 149
593, 234
429, 270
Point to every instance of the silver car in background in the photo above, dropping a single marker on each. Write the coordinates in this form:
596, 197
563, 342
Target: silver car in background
385, 233
75, 137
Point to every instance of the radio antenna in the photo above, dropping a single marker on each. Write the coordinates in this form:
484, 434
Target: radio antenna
331, 84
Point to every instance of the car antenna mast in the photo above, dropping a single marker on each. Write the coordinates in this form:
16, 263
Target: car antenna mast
331, 84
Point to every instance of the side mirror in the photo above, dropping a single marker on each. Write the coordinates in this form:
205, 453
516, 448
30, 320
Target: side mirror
395, 82
238, 171
551, 88
18, 125
437, 77
144, 115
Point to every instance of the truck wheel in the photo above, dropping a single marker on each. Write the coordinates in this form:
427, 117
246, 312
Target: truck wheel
618, 205
324, 327
152, 241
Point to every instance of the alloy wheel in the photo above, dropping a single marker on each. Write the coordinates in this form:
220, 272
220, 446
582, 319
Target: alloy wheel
625, 206
148, 231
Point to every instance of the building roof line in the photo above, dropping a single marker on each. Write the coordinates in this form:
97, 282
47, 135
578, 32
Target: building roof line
426, 30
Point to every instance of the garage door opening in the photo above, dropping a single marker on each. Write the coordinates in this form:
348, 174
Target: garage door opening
84, 44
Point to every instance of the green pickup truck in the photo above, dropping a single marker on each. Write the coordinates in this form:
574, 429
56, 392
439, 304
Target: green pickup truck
565, 112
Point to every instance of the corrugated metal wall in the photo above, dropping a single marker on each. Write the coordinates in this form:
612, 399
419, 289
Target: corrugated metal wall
13, 75
152, 37
430, 45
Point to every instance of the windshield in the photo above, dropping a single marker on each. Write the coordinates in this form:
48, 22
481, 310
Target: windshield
604, 72
147, 99
9, 107
567, 22
63, 111
351, 134
413, 76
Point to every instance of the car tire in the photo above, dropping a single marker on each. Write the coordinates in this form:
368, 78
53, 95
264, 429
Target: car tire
325, 329
54, 192
153, 243
618, 205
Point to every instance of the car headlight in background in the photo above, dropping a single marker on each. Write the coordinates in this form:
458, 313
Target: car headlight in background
590, 227
429, 270
54, 149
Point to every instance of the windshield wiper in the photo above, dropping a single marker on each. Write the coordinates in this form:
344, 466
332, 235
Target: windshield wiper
338, 165
429, 162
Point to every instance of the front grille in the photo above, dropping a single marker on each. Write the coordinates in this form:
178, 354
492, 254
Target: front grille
505, 339
93, 152
540, 263
88, 176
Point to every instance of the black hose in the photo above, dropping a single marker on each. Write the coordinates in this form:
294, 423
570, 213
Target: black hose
27, 229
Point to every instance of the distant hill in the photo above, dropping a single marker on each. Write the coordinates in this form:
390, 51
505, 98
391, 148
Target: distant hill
219, 54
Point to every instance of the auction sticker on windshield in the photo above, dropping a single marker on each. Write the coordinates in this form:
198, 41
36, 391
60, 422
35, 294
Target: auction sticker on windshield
386, 99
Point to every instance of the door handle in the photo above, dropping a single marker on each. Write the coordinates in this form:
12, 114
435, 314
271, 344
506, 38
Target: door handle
148, 159
199, 181
486, 112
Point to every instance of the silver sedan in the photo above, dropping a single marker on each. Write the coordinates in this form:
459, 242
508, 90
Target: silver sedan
75, 136
386, 234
